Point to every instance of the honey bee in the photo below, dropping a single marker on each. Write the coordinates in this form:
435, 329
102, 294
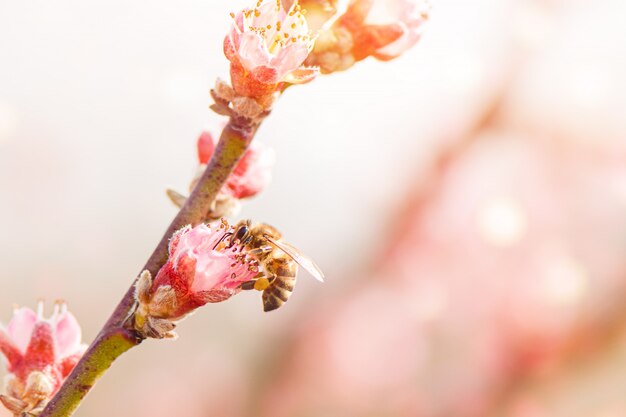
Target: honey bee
277, 259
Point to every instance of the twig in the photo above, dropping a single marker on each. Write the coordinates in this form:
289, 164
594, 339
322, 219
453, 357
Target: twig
114, 339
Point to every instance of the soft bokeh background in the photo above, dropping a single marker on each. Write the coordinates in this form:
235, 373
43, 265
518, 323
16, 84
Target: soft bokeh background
466, 201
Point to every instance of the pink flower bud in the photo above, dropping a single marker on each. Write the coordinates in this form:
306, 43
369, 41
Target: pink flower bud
383, 29
251, 175
40, 354
266, 47
206, 146
202, 268
391, 26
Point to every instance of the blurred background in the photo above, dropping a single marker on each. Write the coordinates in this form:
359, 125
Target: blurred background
467, 202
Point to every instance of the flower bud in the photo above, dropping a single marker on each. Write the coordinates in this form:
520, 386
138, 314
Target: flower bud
251, 175
383, 29
266, 47
40, 354
204, 266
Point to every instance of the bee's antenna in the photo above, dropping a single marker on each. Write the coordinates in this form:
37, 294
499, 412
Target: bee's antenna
226, 235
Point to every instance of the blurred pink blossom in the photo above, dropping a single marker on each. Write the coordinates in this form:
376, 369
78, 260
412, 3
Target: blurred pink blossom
383, 29
498, 272
251, 175
40, 354
408, 16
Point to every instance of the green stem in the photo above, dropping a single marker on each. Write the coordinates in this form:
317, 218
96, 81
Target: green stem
114, 339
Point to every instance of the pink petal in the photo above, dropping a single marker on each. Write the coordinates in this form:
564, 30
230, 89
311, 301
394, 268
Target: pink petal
212, 269
175, 240
267, 16
184, 271
253, 172
21, 327
68, 363
230, 51
206, 146
253, 51
41, 349
405, 42
196, 239
302, 75
358, 11
238, 27
68, 335
290, 58
8, 348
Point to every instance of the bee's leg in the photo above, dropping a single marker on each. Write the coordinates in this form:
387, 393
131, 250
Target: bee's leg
262, 283
248, 285
259, 283
259, 251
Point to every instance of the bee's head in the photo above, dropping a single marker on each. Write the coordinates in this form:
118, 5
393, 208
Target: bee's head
241, 234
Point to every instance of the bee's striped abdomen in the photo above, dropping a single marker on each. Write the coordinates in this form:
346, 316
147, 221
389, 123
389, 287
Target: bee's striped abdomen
278, 292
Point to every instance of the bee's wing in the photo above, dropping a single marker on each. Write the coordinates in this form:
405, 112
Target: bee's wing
300, 259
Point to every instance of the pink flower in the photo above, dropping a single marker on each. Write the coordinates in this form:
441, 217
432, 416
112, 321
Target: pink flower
383, 29
40, 354
406, 17
251, 175
267, 46
202, 268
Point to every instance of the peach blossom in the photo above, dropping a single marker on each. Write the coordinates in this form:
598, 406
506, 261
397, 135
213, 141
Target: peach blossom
40, 354
384, 29
267, 46
202, 268
251, 175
